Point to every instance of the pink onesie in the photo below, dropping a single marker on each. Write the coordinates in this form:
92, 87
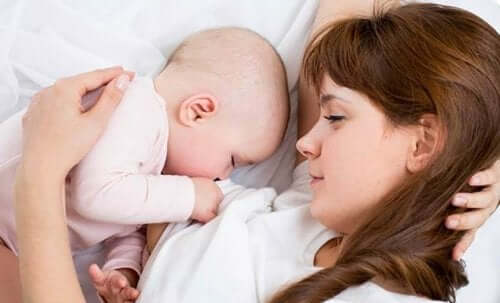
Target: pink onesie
117, 187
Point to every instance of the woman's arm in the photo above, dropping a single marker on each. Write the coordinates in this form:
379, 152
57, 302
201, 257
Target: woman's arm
57, 135
45, 260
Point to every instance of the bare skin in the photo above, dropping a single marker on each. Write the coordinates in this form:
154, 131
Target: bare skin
41, 226
43, 232
153, 234
484, 202
10, 287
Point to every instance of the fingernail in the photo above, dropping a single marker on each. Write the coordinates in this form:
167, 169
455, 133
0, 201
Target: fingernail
452, 223
122, 82
475, 180
459, 200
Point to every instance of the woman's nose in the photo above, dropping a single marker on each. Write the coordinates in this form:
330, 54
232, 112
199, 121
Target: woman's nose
308, 146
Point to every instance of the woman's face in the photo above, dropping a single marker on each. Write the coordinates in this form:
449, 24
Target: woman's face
355, 157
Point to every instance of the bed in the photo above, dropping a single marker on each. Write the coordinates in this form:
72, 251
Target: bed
41, 41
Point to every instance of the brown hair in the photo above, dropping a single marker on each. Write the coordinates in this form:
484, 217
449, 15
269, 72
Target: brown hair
413, 60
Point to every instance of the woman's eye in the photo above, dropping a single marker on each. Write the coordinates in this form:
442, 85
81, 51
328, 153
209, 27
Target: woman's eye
232, 161
334, 118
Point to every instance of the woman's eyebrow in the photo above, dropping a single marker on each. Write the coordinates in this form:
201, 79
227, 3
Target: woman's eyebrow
324, 99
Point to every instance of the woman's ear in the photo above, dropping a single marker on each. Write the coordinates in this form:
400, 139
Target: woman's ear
426, 143
197, 109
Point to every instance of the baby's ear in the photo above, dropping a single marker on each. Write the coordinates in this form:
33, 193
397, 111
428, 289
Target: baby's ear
426, 143
197, 109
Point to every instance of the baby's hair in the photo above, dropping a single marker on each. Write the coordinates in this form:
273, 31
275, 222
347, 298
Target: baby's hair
243, 62
215, 35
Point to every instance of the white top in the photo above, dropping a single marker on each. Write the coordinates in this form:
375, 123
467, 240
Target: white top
248, 252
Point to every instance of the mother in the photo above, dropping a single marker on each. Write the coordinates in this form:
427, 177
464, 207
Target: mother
415, 85
417, 141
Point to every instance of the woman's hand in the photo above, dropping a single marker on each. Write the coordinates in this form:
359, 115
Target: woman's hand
481, 204
56, 135
56, 132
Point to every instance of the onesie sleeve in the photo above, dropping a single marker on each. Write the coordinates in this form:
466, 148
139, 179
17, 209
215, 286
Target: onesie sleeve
125, 251
119, 180
127, 198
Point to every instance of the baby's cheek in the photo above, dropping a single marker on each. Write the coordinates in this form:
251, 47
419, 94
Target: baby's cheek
212, 168
186, 166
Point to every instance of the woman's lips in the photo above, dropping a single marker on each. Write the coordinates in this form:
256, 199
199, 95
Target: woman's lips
315, 180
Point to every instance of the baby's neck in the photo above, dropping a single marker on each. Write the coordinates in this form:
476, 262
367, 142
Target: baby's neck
165, 89
160, 84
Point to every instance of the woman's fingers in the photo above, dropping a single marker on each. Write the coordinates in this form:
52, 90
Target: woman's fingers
463, 245
483, 204
487, 177
109, 99
468, 220
482, 199
94, 79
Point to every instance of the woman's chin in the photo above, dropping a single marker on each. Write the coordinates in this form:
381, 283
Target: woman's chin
328, 218
317, 212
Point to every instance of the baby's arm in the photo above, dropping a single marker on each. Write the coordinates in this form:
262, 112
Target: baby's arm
112, 184
132, 198
125, 251
142, 199
117, 280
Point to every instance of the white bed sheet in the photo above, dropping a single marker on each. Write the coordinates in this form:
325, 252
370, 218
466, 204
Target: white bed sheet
41, 41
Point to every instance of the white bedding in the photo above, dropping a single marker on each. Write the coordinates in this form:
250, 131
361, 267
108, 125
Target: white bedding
211, 262
41, 41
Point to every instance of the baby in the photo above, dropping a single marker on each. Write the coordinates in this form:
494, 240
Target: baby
221, 102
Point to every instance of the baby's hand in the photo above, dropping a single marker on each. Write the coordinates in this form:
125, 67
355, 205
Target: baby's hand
208, 197
114, 286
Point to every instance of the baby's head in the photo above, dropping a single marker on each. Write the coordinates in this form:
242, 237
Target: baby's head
227, 98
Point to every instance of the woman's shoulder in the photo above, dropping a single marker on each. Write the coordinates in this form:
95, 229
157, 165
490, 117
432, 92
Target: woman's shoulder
370, 292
